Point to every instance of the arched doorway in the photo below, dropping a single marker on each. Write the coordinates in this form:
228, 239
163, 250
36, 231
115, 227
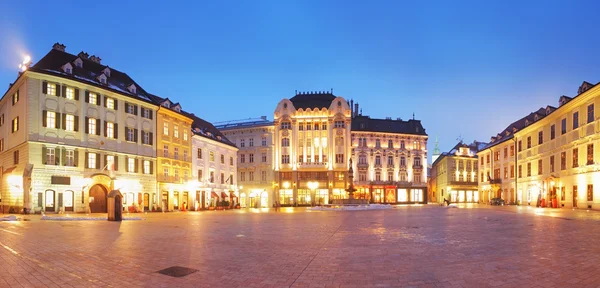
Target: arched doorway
98, 199
264, 200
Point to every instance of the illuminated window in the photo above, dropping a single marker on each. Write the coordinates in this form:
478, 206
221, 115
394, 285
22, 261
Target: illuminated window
176, 153
110, 162
590, 192
575, 157
590, 154
211, 156
50, 156
70, 125
199, 153
91, 126
70, 93
15, 98
110, 103
165, 128
51, 119
91, 160
110, 130
51, 89
166, 172
15, 124
69, 158
130, 165
93, 98
176, 131
185, 155
185, 135
146, 167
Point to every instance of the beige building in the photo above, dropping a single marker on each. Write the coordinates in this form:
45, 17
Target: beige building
312, 143
454, 174
557, 153
72, 129
214, 164
254, 138
389, 159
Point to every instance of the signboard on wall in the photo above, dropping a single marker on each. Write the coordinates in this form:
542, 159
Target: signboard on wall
60, 180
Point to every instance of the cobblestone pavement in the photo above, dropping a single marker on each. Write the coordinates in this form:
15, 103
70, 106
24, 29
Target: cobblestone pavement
408, 246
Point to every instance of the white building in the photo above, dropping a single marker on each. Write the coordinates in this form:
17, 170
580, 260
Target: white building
215, 165
254, 138
72, 130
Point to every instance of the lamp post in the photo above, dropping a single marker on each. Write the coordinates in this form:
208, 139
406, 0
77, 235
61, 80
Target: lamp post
313, 186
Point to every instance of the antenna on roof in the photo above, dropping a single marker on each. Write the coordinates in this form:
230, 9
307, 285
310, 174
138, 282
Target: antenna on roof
460, 138
331, 90
413, 115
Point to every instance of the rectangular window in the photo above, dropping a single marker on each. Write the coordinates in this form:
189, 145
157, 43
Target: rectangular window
575, 157
505, 152
540, 137
15, 98
528, 169
146, 167
339, 124
223, 178
590, 192
51, 119
110, 162
590, 154
212, 177
199, 153
496, 155
70, 158
50, 156
520, 146
211, 156
176, 153
146, 113
242, 143
166, 172
165, 128
185, 135
390, 161
339, 158
552, 132
512, 150
200, 175
110, 103
540, 167
110, 130
166, 151
488, 158
242, 176
231, 161
243, 158
563, 126
590, 113
251, 158
251, 142
91, 161
51, 89
185, 155
285, 159
528, 142
264, 141
130, 108
93, 98
551, 163
146, 138
130, 165
512, 171
70, 93
15, 125
263, 176
520, 171
563, 160
70, 125
91, 126
285, 125
575, 120
176, 131
505, 172
176, 174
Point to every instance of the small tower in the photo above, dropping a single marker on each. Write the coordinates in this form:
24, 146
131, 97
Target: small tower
436, 151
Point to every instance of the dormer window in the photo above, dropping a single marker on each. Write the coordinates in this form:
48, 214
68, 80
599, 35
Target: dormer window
177, 108
166, 104
526, 122
106, 72
68, 68
102, 78
78, 63
535, 117
132, 88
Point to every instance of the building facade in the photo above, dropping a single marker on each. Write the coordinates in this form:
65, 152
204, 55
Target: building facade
455, 174
390, 159
74, 129
254, 138
312, 146
215, 166
557, 155
174, 156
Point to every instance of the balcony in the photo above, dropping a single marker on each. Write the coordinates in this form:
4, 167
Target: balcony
362, 165
463, 183
390, 166
307, 165
377, 165
417, 167
496, 181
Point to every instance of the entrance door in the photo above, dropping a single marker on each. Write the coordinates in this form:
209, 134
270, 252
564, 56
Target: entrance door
175, 200
575, 196
98, 199
146, 201
68, 200
165, 201
49, 201
185, 201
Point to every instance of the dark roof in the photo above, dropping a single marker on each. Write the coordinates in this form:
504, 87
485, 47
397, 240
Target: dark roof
118, 81
312, 100
368, 124
207, 130
508, 132
244, 124
474, 147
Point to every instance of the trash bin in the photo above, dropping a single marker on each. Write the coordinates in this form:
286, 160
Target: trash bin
115, 206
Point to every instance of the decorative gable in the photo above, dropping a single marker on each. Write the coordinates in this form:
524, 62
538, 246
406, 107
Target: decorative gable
68, 68
526, 122
584, 87
177, 107
78, 63
132, 89
106, 72
101, 78
536, 117
167, 103
514, 129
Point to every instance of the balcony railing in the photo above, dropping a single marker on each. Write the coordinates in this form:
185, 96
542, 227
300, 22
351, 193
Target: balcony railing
418, 166
312, 164
362, 165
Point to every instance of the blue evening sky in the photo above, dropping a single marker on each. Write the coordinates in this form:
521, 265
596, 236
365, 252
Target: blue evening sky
465, 68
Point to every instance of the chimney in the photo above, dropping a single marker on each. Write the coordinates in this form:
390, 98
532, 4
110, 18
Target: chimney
59, 47
356, 109
399, 119
83, 55
96, 59
352, 107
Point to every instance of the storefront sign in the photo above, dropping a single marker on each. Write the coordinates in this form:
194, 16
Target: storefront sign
61, 180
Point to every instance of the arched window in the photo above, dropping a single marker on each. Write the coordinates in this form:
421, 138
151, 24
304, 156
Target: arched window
377, 160
402, 144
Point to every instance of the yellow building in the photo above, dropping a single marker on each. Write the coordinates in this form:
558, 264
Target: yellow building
557, 153
454, 175
174, 160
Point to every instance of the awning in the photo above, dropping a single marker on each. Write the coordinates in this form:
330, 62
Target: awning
224, 195
9, 170
214, 195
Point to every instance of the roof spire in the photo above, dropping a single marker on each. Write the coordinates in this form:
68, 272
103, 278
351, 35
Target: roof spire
413, 115
436, 149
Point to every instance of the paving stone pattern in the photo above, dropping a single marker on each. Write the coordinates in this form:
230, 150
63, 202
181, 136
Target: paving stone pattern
408, 246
